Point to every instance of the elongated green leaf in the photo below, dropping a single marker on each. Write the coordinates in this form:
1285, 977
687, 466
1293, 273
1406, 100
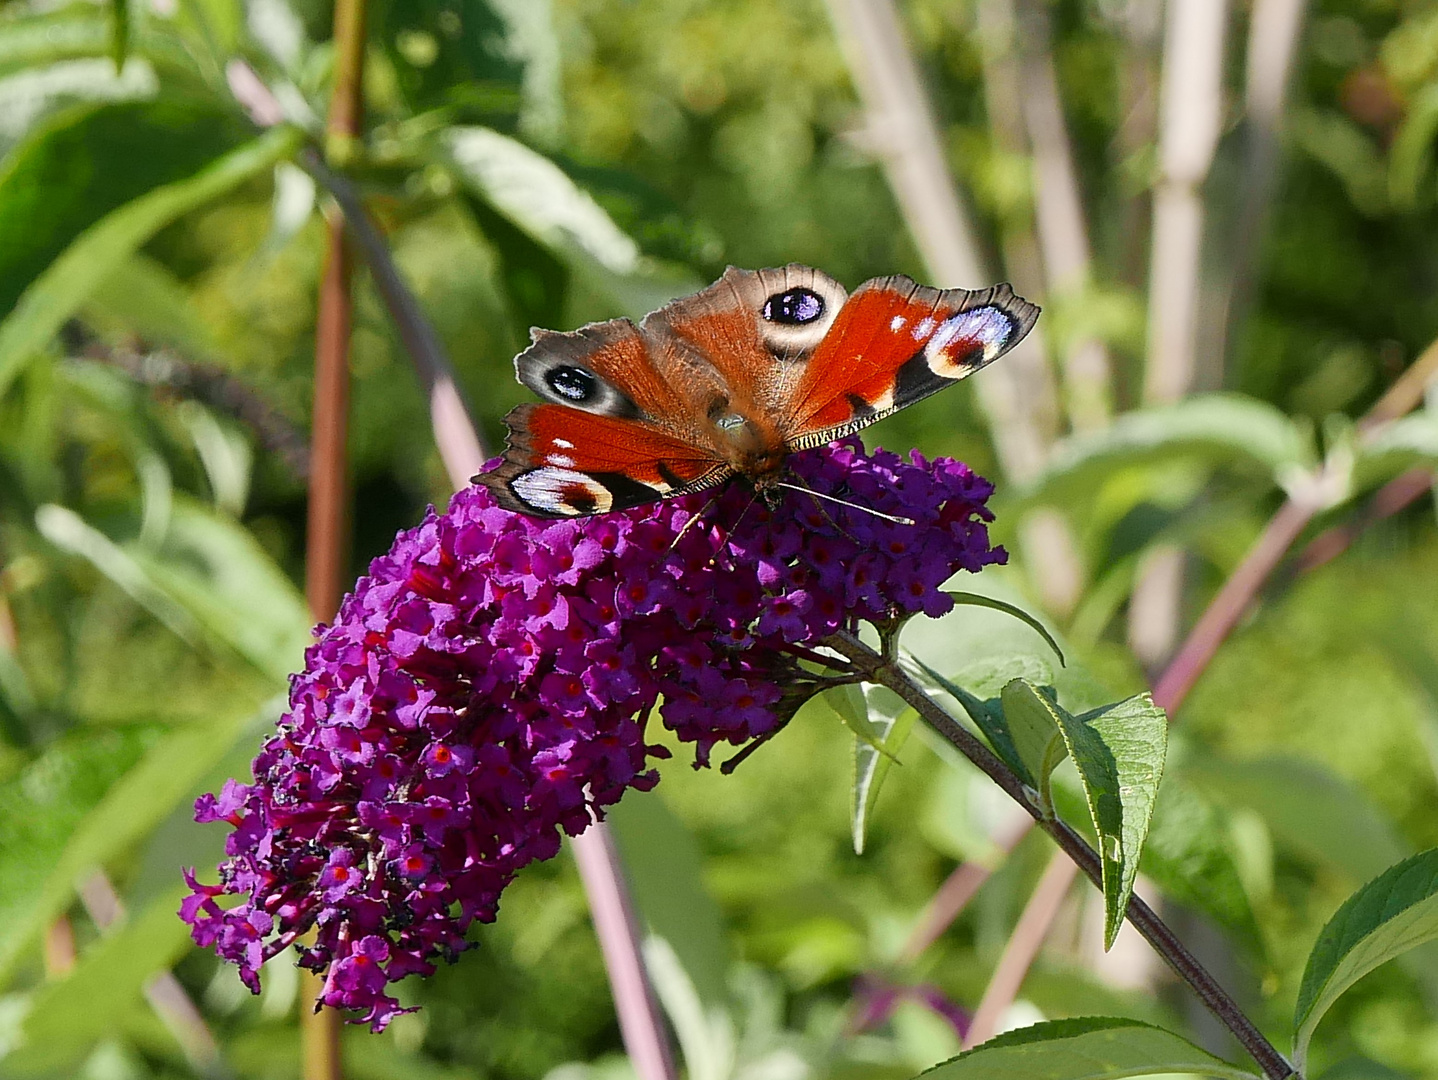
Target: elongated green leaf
850, 706
894, 722
42, 805
73, 31
119, 32
65, 285
1310, 810
1033, 719
70, 532
537, 196
137, 802
210, 583
987, 713
67, 1018
1210, 427
973, 599
665, 869
1088, 1048
1395, 912
1119, 751
211, 568
1190, 855
89, 161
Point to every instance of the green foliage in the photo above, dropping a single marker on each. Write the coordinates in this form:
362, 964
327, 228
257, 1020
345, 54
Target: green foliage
1395, 912
538, 163
1093, 1048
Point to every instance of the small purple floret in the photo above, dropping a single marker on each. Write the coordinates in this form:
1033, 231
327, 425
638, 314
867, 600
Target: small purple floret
487, 688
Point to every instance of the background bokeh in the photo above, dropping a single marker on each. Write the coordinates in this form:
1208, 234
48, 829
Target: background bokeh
549, 162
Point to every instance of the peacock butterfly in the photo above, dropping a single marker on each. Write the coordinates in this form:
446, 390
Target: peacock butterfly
730, 380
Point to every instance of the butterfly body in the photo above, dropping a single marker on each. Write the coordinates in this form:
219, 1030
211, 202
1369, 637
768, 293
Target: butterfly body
730, 381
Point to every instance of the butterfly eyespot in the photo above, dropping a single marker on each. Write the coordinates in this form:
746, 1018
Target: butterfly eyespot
573, 383
794, 307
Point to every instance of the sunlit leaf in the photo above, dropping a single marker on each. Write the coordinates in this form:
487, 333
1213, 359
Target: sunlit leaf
540, 198
1215, 428
852, 708
1119, 752
1088, 1048
893, 721
972, 599
136, 802
65, 285
1034, 721
1392, 914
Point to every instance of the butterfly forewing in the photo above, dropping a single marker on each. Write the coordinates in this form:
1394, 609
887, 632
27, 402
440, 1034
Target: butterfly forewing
896, 342
729, 380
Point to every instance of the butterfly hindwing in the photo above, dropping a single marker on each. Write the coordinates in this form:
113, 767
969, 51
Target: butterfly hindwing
562, 462
894, 343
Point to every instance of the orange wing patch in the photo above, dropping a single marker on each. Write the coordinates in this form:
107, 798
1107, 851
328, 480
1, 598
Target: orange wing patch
561, 462
896, 342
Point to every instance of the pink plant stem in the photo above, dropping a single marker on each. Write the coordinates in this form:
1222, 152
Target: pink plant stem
1228, 607
1021, 948
617, 928
463, 454
954, 895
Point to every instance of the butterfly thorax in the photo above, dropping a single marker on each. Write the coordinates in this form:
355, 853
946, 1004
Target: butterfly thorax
751, 445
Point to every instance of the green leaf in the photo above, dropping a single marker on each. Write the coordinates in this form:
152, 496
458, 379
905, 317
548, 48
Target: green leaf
894, 721
74, 31
973, 599
1190, 855
214, 570
88, 161
1033, 720
1309, 810
687, 949
134, 805
665, 868
850, 705
538, 197
66, 284
1119, 751
1396, 448
120, 32
987, 713
42, 805
1087, 1048
210, 582
1395, 912
67, 1018
1217, 428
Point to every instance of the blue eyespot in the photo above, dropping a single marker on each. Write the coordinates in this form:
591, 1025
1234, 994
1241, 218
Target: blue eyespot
794, 307
573, 383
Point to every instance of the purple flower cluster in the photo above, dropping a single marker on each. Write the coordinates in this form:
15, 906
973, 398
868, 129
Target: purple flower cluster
486, 688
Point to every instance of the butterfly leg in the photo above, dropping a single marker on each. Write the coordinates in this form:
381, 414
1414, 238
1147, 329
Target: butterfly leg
690, 523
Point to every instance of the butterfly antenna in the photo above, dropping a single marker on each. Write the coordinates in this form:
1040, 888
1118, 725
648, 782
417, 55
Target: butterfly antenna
844, 502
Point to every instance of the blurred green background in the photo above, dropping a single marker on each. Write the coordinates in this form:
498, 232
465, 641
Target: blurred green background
549, 162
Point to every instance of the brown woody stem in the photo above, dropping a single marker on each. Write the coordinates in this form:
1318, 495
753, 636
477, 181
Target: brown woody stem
877, 669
